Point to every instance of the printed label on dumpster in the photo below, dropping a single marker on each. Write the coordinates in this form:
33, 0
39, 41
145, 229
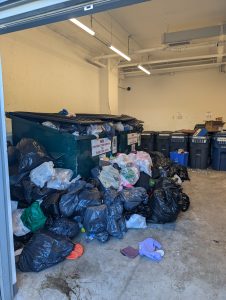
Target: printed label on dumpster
139, 139
133, 148
221, 139
132, 138
114, 144
100, 146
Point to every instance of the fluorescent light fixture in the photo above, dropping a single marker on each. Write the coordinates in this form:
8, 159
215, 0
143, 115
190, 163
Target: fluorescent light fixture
143, 69
120, 53
82, 26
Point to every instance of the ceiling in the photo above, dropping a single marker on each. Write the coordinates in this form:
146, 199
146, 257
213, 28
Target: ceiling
148, 21
145, 24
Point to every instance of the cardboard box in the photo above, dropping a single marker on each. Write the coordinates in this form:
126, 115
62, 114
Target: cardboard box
214, 126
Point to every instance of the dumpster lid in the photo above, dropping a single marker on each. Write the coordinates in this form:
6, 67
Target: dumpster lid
55, 117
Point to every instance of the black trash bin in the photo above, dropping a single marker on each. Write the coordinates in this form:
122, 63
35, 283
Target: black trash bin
178, 141
148, 141
163, 142
219, 151
199, 152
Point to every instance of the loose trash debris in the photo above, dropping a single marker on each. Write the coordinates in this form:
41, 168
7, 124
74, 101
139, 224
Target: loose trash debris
136, 221
151, 249
76, 252
130, 252
127, 191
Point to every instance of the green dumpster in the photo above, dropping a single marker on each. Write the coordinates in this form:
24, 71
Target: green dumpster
78, 153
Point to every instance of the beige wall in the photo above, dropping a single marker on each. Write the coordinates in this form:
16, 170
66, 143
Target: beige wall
43, 71
177, 101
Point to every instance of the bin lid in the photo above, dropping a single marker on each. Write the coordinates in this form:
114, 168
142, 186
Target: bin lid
54, 117
179, 134
148, 132
220, 134
200, 137
164, 133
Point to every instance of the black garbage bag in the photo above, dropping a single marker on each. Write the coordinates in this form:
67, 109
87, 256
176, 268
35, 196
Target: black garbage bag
63, 226
143, 181
20, 241
18, 245
185, 202
50, 205
159, 160
44, 250
79, 197
33, 192
115, 220
69, 201
142, 209
156, 173
165, 202
102, 236
95, 173
90, 196
116, 225
95, 222
32, 154
110, 195
179, 170
17, 193
132, 197
13, 155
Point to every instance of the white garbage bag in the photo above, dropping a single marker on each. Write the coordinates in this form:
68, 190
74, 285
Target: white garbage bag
18, 227
43, 173
136, 221
60, 180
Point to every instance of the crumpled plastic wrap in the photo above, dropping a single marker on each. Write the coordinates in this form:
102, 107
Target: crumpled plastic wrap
110, 177
129, 176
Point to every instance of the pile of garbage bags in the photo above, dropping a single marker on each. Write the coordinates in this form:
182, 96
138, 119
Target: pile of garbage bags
51, 207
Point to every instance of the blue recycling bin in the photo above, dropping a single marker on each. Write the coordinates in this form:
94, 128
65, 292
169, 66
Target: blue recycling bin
219, 151
179, 158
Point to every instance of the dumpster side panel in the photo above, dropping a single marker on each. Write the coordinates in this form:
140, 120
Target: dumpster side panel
69, 152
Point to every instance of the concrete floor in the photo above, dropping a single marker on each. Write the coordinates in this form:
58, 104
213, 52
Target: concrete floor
194, 266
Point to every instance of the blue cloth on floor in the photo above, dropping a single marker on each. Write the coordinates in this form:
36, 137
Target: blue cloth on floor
149, 247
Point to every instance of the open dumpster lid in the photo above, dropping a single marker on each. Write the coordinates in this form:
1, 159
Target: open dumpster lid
54, 117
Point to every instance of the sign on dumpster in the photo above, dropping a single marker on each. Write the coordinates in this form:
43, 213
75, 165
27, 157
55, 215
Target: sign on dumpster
114, 144
100, 146
132, 138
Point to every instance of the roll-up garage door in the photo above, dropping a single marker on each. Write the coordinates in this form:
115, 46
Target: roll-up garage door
21, 14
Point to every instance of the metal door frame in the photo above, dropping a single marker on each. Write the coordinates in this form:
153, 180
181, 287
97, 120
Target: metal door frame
7, 259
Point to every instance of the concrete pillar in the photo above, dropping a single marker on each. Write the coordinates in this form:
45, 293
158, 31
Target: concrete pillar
109, 88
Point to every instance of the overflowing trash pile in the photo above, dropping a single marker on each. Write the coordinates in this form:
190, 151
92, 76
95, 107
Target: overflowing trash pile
51, 207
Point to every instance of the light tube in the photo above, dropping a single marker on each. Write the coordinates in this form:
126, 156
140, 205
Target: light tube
82, 26
143, 69
120, 53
